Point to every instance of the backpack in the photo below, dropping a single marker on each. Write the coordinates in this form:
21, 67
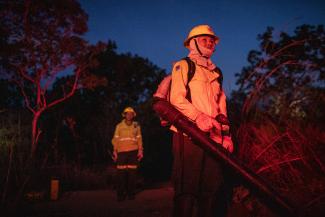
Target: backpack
163, 90
164, 87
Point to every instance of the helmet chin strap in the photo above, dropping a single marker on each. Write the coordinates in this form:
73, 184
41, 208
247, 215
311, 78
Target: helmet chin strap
197, 47
204, 52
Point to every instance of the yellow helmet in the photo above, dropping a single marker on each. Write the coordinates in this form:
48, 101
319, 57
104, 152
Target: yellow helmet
200, 30
128, 109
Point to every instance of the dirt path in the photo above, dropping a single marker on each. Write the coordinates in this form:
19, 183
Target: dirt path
103, 203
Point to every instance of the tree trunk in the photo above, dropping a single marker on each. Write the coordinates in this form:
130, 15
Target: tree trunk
35, 132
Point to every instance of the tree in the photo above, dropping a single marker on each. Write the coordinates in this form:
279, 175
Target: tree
131, 81
41, 41
286, 75
280, 132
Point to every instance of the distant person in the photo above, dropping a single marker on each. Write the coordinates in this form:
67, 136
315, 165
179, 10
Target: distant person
127, 152
198, 178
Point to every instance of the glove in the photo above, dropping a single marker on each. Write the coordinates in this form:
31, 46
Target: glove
206, 123
227, 144
222, 119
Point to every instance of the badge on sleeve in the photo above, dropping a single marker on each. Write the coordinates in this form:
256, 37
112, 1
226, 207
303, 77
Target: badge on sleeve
177, 67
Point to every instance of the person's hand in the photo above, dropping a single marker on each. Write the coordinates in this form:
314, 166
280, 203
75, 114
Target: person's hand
140, 155
225, 128
228, 144
206, 123
114, 156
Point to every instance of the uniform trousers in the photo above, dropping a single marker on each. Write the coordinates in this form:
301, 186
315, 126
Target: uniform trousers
198, 181
127, 164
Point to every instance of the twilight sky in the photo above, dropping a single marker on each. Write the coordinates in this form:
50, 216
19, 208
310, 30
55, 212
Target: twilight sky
156, 29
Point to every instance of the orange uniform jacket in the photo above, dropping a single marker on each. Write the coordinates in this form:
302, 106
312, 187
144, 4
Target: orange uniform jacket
206, 93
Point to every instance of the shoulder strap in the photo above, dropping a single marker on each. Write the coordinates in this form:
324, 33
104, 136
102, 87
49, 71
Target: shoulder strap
191, 69
190, 74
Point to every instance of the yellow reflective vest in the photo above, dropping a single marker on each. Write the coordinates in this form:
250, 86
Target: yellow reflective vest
127, 137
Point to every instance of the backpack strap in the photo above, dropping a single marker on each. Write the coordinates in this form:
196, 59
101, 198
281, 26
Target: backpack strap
190, 74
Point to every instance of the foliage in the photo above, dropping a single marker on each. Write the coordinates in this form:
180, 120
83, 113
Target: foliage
131, 81
13, 150
47, 59
42, 40
289, 156
279, 131
286, 75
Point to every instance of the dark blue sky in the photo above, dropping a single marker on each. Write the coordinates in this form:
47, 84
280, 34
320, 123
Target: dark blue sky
156, 29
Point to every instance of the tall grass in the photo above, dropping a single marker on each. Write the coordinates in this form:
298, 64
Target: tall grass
13, 154
290, 156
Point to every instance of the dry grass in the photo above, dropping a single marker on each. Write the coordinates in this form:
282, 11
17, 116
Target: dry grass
290, 156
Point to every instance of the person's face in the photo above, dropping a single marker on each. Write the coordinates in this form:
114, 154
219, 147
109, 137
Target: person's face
206, 42
129, 116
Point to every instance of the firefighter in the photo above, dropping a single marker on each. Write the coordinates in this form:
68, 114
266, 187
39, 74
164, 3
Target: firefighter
198, 179
127, 152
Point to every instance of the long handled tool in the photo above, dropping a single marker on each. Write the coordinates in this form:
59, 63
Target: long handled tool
166, 111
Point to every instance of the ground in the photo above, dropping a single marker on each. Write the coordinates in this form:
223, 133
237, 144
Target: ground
152, 200
103, 203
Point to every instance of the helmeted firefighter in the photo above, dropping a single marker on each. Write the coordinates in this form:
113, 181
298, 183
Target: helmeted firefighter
127, 152
198, 179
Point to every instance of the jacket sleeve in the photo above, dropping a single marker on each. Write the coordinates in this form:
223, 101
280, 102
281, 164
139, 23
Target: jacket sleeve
115, 139
223, 103
223, 110
139, 139
178, 91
